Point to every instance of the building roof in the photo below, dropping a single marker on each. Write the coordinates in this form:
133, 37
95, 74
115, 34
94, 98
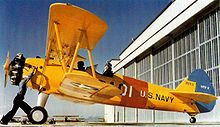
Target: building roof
173, 16
133, 39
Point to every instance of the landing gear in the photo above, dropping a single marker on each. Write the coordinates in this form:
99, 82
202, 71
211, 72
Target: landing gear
38, 115
52, 121
192, 120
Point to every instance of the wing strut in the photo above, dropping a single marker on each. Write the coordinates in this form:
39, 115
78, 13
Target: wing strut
60, 46
83, 33
91, 62
90, 56
76, 52
74, 56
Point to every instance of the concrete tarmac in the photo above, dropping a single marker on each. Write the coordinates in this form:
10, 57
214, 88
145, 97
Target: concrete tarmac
69, 124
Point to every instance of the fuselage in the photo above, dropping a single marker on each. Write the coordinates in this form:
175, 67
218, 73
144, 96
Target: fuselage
134, 93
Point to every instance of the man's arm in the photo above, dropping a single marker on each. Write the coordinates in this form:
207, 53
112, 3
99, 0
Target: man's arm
23, 83
28, 78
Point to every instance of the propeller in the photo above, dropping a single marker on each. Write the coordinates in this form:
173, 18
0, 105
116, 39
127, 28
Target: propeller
6, 68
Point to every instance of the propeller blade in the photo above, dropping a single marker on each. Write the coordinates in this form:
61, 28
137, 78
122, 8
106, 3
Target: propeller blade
6, 80
6, 68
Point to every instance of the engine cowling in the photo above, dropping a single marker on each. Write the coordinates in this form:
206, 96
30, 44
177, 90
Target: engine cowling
16, 69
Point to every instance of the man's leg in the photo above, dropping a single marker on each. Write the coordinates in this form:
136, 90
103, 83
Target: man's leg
25, 107
5, 119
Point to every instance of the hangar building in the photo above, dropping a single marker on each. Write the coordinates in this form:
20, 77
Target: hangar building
185, 36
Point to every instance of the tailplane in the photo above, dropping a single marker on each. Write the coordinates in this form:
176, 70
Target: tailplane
198, 86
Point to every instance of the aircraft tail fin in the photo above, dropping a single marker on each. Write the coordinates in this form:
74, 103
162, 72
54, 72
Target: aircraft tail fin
198, 87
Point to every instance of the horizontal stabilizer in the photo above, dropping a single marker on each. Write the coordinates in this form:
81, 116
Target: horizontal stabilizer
196, 96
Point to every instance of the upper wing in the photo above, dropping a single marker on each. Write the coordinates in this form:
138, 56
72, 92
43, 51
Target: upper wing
82, 86
196, 96
72, 21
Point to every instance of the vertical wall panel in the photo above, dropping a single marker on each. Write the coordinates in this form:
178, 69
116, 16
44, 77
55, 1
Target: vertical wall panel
144, 73
119, 114
209, 47
130, 113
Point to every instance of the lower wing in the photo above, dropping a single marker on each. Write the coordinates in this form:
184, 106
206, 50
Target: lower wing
85, 87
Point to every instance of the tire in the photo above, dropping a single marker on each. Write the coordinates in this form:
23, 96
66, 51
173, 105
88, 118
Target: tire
38, 115
192, 120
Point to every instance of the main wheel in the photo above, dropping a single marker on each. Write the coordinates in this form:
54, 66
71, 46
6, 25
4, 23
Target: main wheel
38, 115
192, 120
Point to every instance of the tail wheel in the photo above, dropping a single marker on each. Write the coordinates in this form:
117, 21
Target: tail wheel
192, 120
38, 115
52, 121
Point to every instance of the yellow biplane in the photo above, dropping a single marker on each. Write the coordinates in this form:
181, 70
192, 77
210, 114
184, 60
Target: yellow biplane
71, 28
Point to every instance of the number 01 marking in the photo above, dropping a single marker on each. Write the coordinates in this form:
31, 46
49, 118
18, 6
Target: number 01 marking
126, 91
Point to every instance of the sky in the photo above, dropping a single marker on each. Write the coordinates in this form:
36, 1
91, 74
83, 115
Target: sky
23, 28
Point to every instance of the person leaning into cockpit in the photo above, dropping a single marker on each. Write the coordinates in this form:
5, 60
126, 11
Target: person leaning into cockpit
108, 70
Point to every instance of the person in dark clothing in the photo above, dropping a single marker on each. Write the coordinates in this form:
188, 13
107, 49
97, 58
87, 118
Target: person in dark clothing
18, 100
108, 70
80, 66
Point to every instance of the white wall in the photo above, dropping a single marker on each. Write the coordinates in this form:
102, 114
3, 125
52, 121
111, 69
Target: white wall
164, 116
109, 114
